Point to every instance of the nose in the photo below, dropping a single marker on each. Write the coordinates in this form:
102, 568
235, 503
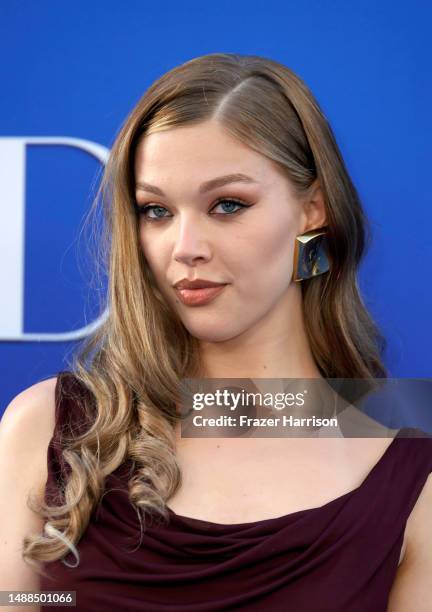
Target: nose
191, 245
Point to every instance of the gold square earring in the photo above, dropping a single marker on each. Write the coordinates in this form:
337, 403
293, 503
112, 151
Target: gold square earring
310, 255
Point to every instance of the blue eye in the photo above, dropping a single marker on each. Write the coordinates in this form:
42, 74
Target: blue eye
231, 202
143, 210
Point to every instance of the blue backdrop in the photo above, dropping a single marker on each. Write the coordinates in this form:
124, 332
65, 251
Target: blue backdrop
70, 73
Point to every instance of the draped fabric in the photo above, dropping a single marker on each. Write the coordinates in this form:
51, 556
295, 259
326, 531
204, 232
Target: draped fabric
339, 557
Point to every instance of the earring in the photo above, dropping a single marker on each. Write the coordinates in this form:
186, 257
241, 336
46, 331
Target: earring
310, 255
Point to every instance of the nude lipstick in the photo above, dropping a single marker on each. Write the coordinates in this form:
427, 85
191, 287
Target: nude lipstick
198, 292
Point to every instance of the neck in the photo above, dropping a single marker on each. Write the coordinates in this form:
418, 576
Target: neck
277, 346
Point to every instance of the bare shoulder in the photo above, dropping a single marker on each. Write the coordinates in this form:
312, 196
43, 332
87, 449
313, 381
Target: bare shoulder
30, 407
26, 428
411, 588
27, 424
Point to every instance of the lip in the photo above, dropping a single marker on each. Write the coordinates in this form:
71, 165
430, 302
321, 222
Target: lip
198, 283
199, 297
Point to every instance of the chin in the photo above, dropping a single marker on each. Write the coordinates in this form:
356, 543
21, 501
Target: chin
214, 332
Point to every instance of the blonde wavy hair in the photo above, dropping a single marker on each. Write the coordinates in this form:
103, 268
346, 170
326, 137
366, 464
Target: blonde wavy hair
132, 365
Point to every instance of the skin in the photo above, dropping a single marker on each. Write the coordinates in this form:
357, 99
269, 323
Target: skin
253, 329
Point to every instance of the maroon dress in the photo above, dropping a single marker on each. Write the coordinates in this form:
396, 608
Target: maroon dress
339, 557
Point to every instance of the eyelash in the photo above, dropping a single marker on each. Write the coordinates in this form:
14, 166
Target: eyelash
142, 210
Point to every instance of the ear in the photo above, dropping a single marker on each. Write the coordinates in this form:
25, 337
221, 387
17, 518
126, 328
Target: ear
314, 214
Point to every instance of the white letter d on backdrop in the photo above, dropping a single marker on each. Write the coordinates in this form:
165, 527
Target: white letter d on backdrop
12, 236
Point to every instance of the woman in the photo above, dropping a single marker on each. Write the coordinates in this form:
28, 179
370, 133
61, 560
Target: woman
220, 174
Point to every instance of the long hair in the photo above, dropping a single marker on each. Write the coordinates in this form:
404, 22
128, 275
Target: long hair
133, 364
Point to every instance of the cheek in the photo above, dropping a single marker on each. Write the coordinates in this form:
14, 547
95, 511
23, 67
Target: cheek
153, 256
270, 258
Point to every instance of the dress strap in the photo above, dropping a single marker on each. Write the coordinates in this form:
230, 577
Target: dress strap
70, 419
408, 474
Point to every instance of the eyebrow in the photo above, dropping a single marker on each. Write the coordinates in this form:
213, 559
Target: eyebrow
219, 181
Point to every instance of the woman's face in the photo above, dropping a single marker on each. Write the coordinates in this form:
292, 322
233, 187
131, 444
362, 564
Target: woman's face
196, 231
